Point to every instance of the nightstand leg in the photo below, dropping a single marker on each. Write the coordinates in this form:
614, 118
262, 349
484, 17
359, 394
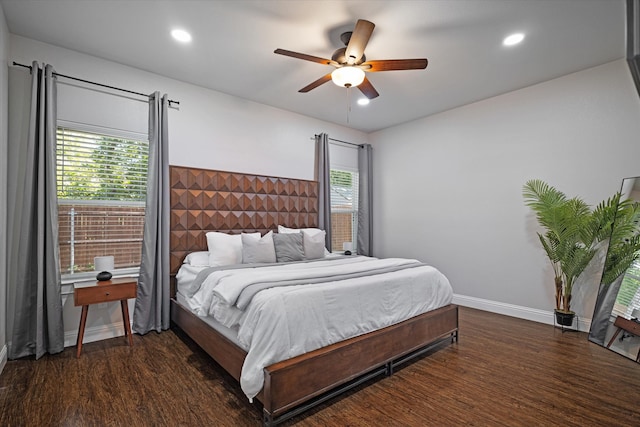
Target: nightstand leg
125, 320
83, 321
613, 337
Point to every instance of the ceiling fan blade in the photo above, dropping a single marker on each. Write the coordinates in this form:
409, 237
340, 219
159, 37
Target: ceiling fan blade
306, 57
320, 81
367, 89
359, 39
395, 64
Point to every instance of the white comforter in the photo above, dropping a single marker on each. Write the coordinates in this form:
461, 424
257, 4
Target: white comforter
283, 322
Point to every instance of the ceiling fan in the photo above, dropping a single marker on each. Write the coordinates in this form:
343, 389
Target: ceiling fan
351, 64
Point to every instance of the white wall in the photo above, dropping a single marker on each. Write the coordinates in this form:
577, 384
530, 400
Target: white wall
209, 130
448, 188
4, 78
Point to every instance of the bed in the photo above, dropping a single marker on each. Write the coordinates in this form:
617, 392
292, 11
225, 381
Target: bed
204, 200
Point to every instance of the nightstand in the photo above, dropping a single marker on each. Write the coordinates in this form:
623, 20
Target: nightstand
623, 324
95, 292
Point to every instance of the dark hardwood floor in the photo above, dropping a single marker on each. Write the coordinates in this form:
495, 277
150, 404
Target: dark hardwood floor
502, 372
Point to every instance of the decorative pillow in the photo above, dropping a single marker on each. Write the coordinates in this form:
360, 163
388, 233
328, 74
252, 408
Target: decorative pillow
197, 259
285, 230
225, 249
288, 247
311, 231
258, 249
313, 244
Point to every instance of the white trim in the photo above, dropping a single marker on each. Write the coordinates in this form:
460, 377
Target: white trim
96, 333
527, 313
3, 358
115, 330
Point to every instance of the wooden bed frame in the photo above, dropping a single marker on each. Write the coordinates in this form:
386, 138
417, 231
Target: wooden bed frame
204, 200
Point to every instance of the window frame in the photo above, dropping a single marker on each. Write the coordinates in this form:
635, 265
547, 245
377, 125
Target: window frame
68, 278
355, 180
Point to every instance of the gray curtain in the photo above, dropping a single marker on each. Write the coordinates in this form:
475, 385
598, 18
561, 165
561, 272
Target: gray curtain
602, 312
152, 302
633, 35
34, 303
323, 167
365, 201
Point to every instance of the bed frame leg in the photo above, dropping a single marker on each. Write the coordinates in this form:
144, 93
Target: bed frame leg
388, 369
267, 418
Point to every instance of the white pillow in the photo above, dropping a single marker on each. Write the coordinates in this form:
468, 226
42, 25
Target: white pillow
313, 243
225, 249
282, 229
258, 249
197, 259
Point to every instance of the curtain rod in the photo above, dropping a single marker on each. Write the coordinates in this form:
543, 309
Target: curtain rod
94, 83
344, 142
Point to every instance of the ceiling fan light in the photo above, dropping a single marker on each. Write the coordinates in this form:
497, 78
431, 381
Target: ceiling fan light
347, 76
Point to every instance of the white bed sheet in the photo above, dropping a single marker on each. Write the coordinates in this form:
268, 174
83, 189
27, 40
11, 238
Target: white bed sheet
230, 333
186, 275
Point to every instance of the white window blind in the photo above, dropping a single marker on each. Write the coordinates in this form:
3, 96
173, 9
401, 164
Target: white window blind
344, 208
628, 296
101, 181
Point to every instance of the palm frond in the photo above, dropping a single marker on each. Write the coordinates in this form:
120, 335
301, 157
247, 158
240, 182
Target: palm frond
624, 241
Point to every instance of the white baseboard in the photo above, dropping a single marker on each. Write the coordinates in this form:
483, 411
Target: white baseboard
114, 330
533, 314
95, 333
3, 358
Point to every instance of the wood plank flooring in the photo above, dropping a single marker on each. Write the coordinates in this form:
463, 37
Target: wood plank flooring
502, 372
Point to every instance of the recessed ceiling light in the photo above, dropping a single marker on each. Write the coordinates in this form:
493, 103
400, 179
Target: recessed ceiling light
363, 101
181, 35
513, 39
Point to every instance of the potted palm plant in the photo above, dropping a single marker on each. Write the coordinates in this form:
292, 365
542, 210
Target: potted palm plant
572, 233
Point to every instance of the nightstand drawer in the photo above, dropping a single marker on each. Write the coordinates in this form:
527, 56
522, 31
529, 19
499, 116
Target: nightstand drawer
104, 292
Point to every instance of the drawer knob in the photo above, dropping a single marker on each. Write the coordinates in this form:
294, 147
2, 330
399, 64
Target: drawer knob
107, 293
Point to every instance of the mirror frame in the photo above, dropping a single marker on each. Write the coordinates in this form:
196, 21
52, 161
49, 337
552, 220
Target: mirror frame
607, 331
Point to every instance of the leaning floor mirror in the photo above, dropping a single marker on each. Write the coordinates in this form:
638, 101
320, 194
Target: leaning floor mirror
615, 323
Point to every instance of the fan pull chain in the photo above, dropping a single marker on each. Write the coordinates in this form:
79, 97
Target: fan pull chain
348, 103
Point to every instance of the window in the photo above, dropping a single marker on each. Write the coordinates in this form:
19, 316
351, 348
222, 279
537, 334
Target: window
101, 181
344, 208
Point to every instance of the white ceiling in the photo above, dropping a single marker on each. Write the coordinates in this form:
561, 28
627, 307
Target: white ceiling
233, 44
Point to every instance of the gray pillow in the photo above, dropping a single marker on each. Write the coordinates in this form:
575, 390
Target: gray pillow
258, 249
288, 247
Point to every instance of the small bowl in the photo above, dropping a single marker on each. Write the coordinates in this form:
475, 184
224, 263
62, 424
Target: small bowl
103, 276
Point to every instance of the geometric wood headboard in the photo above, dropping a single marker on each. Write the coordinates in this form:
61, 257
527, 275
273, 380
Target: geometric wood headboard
207, 200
